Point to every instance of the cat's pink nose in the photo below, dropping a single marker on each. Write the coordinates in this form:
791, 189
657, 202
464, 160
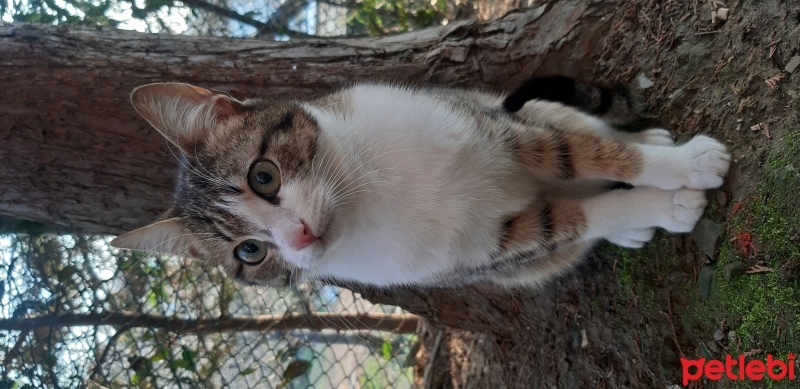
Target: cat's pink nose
303, 237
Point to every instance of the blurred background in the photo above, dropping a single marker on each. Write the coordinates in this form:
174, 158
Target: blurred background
75, 313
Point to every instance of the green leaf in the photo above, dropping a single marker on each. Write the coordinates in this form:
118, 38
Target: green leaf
386, 350
152, 299
248, 371
180, 364
189, 355
160, 355
186, 362
295, 369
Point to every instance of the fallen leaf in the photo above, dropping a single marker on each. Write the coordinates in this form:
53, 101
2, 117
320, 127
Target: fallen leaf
773, 81
745, 242
763, 127
758, 269
737, 206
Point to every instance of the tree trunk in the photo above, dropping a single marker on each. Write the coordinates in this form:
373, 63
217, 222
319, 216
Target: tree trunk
74, 154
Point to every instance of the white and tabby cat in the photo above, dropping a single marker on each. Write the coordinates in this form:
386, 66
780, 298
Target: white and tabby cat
389, 185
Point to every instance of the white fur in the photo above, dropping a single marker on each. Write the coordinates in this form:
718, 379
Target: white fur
633, 238
430, 190
641, 208
700, 163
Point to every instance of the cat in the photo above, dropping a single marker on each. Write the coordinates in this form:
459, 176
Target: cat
390, 185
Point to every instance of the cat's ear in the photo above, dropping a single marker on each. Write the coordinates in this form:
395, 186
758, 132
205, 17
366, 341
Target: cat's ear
167, 237
183, 113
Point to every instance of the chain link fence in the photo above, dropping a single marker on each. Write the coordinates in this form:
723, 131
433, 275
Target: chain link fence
76, 313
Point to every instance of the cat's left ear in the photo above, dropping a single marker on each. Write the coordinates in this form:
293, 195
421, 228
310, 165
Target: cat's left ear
166, 237
184, 113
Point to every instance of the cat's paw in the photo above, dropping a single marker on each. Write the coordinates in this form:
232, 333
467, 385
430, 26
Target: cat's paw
709, 162
687, 208
634, 238
654, 136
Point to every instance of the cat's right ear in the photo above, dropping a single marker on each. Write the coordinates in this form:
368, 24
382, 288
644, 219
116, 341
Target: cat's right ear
183, 113
166, 237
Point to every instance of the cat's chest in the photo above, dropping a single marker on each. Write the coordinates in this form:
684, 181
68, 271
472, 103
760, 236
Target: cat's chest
428, 188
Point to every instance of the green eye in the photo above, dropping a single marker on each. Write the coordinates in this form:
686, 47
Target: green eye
251, 251
265, 178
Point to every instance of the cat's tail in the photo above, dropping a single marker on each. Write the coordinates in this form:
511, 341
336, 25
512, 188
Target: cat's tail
617, 105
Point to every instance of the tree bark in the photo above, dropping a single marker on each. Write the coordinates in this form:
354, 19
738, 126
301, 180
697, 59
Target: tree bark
397, 323
75, 154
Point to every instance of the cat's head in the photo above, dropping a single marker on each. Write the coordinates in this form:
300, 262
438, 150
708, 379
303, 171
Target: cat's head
248, 197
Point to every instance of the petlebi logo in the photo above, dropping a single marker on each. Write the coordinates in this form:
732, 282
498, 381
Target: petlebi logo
738, 369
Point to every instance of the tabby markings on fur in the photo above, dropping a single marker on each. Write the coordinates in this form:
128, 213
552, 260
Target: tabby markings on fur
389, 186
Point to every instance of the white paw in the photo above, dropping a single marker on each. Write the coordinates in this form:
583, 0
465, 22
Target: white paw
655, 136
687, 208
634, 238
709, 161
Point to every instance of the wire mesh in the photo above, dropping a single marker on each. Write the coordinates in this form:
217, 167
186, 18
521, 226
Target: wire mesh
76, 313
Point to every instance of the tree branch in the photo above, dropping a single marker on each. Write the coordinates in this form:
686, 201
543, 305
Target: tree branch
279, 19
275, 25
228, 13
396, 323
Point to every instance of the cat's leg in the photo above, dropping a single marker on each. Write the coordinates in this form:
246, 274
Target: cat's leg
548, 224
559, 117
700, 163
634, 238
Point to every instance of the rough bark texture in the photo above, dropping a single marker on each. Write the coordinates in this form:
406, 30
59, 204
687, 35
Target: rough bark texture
75, 154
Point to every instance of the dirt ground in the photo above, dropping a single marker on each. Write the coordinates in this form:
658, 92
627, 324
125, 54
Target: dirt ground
624, 318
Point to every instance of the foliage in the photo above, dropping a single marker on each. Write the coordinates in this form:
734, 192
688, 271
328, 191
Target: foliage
282, 18
764, 308
62, 274
379, 17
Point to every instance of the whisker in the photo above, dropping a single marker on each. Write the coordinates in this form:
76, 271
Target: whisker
350, 159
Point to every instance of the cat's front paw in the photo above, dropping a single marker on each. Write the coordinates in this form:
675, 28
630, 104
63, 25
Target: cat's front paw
634, 238
709, 161
687, 208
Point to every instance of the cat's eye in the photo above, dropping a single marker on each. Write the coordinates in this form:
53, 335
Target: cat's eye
265, 178
251, 251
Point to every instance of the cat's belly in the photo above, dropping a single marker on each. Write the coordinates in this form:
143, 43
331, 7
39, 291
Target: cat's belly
442, 211
381, 258
433, 191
